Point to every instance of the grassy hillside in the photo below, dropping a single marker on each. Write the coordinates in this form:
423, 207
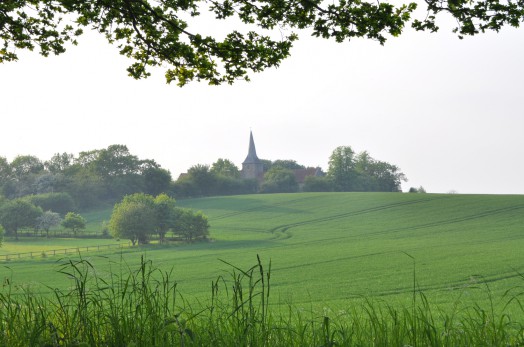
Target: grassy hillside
331, 247
327, 249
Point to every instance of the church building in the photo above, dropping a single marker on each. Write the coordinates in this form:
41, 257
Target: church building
252, 167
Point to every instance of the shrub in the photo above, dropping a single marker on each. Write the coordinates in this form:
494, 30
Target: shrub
56, 202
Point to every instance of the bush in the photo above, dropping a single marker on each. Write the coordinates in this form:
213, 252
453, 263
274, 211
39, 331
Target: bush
191, 225
317, 184
417, 190
56, 202
74, 221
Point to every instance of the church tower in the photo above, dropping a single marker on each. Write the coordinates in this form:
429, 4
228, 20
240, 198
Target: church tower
252, 167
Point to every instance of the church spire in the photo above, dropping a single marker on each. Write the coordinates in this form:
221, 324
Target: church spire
252, 152
252, 167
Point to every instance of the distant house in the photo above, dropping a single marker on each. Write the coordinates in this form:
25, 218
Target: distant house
301, 174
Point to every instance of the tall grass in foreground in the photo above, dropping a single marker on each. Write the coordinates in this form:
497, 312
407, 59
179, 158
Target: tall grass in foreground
143, 307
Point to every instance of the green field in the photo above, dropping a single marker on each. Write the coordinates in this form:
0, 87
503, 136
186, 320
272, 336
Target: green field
329, 249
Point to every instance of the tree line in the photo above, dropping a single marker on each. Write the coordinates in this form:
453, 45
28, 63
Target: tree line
348, 171
44, 194
84, 181
21, 213
67, 183
137, 217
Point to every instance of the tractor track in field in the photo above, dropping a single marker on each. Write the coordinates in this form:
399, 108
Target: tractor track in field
451, 221
260, 208
395, 251
285, 227
282, 232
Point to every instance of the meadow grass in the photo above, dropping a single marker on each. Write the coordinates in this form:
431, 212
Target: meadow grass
334, 253
96, 218
143, 307
356, 242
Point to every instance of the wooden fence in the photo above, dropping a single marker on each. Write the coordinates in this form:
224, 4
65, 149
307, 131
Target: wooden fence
62, 251
82, 234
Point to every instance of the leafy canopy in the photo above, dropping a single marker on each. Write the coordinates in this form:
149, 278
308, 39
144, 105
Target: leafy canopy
139, 215
47, 220
17, 214
191, 225
74, 221
162, 32
133, 219
349, 171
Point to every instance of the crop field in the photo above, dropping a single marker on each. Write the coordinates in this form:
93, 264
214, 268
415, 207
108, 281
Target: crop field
328, 250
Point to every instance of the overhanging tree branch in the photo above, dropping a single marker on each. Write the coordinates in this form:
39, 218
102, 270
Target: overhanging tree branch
152, 33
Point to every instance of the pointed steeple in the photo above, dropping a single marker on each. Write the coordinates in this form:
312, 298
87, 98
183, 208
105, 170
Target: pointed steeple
252, 167
252, 152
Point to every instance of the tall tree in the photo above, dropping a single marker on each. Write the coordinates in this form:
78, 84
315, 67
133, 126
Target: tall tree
17, 214
86, 159
116, 160
342, 169
25, 165
360, 172
376, 175
47, 220
225, 167
164, 215
203, 178
156, 180
287, 164
133, 218
59, 162
6, 184
74, 221
278, 180
161, 33
116, 168
5, 170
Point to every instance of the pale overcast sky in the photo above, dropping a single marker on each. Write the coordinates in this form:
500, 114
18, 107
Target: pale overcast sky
448, 112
